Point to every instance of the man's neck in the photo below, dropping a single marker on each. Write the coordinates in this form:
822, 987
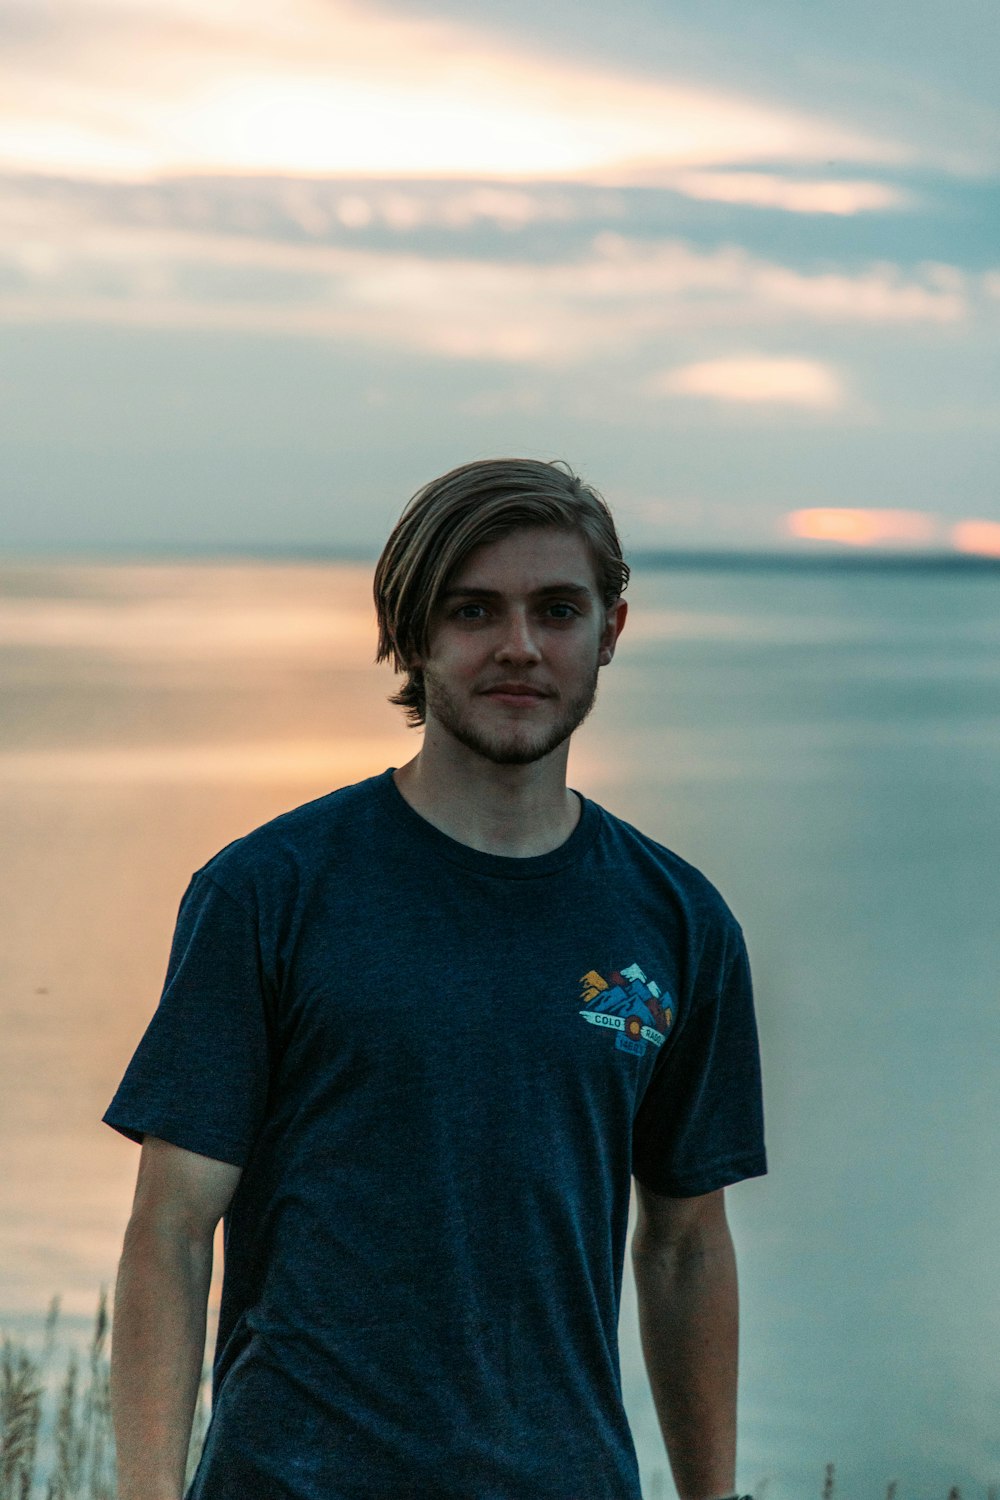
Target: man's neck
518, 811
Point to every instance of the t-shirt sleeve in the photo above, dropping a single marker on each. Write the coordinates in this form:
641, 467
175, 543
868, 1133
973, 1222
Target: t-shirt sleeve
700, 1125
199, 1076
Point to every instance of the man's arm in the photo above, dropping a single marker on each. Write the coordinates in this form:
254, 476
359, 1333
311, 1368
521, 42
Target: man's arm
685, 1277
161, 1299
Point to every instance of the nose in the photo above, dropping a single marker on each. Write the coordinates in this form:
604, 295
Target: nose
517, 642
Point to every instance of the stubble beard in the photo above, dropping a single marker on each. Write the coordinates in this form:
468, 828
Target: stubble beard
516, 744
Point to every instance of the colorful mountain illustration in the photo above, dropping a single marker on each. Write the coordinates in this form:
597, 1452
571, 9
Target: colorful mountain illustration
625, 994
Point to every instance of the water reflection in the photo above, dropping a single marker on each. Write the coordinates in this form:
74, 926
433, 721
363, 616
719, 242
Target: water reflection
825, 748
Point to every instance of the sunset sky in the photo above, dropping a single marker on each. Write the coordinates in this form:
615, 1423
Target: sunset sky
267, 266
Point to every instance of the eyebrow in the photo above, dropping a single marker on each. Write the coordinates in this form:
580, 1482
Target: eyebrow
574, 590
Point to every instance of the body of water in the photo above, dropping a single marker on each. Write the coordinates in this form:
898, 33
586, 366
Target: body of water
826, 747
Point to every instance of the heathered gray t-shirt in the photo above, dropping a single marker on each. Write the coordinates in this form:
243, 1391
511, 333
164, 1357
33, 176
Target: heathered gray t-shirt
438, 1069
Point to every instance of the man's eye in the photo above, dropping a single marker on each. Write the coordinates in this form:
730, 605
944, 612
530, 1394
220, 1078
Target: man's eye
571, 607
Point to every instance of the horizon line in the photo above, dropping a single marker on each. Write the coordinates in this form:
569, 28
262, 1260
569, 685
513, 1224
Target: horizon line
866, 559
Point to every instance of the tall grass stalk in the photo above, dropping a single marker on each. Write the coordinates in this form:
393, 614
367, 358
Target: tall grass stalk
82, 1457
82, 1449
20, 1415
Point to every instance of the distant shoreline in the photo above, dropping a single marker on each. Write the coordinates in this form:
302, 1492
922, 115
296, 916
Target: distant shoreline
841, 562
868, 560
694, 559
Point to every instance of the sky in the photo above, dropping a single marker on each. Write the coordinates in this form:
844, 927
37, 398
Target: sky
269, 266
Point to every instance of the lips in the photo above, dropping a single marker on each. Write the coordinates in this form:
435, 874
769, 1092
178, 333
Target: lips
515, 690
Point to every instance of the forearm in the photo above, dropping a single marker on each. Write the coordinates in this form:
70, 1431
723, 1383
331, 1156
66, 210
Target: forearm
689, 1325
157, 1349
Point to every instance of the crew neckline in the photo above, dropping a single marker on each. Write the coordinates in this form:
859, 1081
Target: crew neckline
504, 866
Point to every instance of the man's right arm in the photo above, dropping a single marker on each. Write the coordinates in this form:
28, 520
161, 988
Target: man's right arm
161, 1300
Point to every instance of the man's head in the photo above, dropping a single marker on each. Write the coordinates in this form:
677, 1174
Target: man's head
459, 519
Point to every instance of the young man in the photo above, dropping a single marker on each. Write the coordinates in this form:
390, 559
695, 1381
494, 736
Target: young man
415, 1040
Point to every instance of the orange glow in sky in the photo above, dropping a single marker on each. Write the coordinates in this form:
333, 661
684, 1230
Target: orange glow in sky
982, 537
862, 528
355, 87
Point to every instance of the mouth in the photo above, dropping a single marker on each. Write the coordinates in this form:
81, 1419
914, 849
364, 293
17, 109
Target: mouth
515, 695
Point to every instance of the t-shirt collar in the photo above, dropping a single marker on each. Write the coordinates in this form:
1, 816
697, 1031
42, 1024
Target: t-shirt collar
505, 866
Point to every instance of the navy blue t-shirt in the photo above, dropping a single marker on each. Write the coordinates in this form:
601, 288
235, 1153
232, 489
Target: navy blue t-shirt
438, 1069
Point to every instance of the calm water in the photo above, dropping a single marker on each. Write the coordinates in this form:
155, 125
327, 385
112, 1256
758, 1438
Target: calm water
826, 748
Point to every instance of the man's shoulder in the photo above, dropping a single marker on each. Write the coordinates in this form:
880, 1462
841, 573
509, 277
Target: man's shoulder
642, 853
291, 844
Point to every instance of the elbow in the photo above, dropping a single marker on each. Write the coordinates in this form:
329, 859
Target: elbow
670, 1231
151, 1237
677, 1254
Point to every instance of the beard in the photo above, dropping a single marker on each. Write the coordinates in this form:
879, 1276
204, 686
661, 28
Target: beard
516, 742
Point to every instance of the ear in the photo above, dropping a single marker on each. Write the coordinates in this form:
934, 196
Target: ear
612, 630
412, 662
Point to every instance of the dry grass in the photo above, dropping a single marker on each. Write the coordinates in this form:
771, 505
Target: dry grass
80, 1450
81, 1462
829, 1489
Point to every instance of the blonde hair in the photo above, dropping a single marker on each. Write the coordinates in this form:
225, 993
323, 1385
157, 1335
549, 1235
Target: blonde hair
447, 519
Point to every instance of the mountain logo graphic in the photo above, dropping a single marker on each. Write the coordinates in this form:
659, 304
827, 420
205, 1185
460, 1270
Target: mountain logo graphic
629, 1004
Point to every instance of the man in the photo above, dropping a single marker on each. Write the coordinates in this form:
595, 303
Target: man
415, 1039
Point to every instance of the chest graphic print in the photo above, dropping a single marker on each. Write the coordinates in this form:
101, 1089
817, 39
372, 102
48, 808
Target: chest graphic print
629, 1004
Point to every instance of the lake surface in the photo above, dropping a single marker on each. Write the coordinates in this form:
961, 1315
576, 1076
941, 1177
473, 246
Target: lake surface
826, 747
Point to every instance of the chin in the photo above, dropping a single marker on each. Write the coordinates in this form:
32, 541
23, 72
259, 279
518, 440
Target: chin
516, 756
516, 750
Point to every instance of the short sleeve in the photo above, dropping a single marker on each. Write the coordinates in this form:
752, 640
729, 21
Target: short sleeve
200, 1074
700, 1125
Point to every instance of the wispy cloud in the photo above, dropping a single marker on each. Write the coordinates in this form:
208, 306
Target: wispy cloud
191, 254
863, 527
754, 379
880, 294
299, 85
843, 198
980, 537
866, 527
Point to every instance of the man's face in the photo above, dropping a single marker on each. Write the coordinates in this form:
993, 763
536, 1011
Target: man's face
524, 612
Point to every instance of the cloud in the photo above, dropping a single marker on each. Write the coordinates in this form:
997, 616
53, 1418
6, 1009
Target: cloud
979, 537
767, 190
863, 527
332, 86
878, 295
336, 261
754, 379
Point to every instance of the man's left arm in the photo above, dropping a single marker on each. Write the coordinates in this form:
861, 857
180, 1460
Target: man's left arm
685, 1277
